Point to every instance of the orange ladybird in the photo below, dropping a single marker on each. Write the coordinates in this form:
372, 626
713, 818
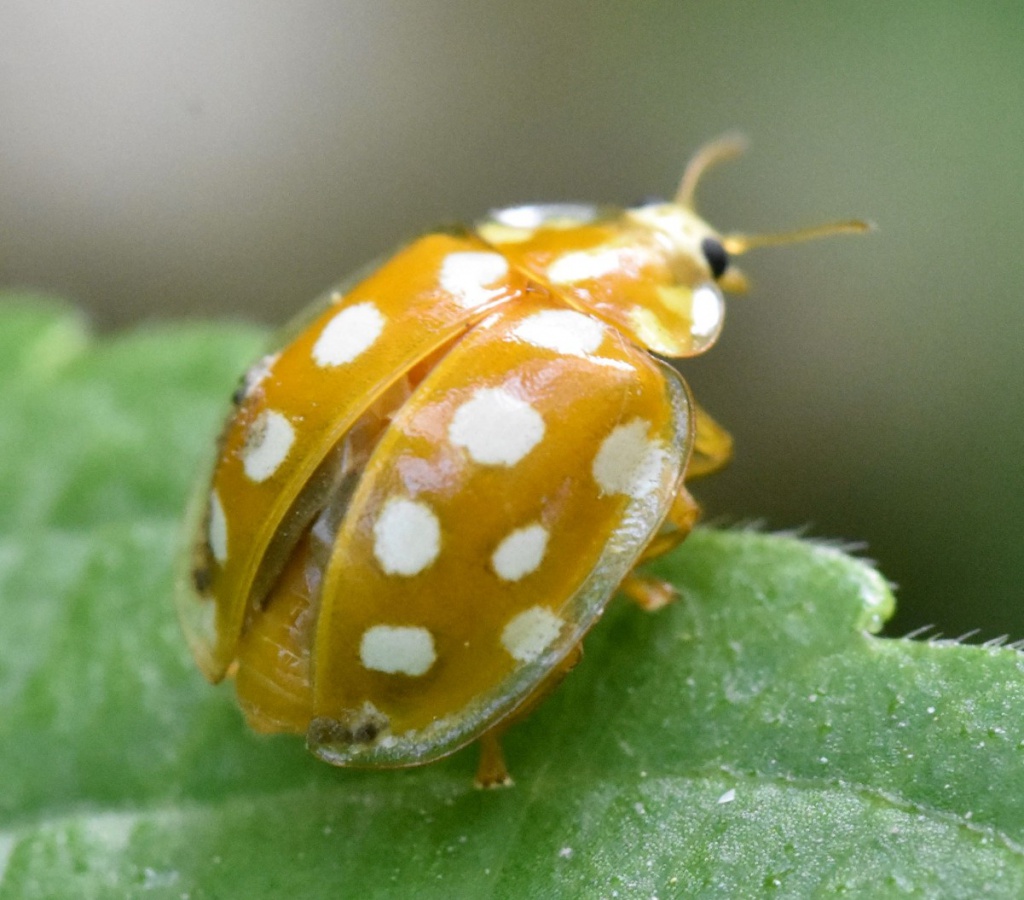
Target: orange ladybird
426, 497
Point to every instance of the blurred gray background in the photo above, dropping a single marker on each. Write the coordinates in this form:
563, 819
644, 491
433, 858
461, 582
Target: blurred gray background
230, 159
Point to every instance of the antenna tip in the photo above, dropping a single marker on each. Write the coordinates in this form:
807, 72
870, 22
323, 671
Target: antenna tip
728, 146
862, 226
732, 140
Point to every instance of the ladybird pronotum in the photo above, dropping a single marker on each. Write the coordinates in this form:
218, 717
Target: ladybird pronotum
426, 496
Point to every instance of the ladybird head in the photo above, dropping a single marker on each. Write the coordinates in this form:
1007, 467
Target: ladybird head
695, 251
657, 271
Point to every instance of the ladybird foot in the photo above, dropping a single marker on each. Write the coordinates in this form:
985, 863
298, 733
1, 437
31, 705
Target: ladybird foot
491, 772
647, 592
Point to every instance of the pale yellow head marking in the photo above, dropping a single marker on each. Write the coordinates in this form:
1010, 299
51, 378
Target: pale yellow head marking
585, 265
683, 231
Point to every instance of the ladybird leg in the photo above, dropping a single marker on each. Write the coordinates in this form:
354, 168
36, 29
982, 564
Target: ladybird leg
682, 516
712, 449
712, 446
492, 771
646, 591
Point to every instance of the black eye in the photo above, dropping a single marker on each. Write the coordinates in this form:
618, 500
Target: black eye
714, 253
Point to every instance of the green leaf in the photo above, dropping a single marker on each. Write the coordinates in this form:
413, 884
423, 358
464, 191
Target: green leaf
752, 739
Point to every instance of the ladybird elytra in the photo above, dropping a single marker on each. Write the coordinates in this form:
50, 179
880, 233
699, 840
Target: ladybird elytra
426, 495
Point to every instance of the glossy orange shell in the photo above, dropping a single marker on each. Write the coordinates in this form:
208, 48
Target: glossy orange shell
427, 496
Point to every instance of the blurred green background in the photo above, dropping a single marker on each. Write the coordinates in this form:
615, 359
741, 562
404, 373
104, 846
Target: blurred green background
186, 158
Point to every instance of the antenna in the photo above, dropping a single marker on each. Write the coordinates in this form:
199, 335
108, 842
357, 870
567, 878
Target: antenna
720, 150
738, 243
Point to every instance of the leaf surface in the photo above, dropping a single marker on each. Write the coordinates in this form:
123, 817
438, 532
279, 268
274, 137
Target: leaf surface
753, 739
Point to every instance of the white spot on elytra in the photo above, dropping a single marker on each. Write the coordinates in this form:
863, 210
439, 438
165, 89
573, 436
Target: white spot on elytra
529, 634
561, 330
520, 553
203, 620
471, 276
257, 374
496, 427
406, 536
628, 462
583, 265
217, 529
397, 649
349, 334
705, 311
270, 438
